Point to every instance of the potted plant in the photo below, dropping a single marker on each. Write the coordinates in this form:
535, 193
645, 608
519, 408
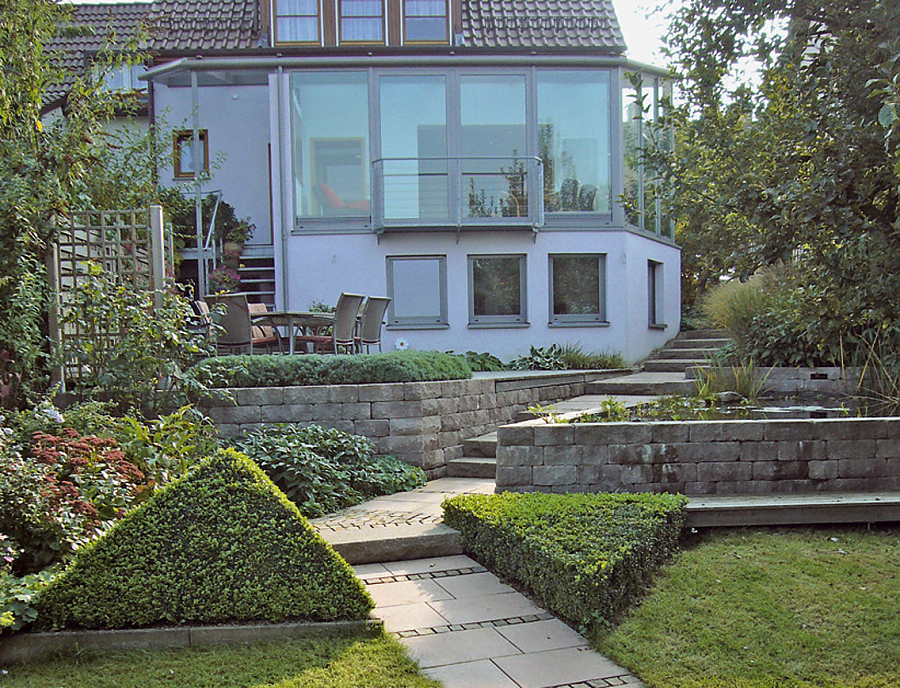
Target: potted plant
224, 279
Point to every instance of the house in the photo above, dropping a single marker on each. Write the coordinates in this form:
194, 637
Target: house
475, 160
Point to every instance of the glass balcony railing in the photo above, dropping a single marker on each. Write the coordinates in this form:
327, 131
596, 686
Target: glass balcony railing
457, 192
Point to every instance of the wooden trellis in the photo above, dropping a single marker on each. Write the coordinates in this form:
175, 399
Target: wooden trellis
127, 244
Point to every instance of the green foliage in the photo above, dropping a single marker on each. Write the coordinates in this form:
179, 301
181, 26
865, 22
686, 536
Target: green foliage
585, 557
482, 362
574, 357
313, 369
540, 358
801, 165
18, 597
181, 211
221, 544
322, 470
128, 349
42, 169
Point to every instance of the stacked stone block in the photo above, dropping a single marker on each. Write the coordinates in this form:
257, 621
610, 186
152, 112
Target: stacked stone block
422, 423
702, 457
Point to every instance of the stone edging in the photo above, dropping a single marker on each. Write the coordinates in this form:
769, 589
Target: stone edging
26, 647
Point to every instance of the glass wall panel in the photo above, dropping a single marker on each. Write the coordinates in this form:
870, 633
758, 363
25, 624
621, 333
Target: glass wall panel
649, 133
496, 289
414, 146
631, 150
573, 140
418, 289
330, 134
492, 116
577, 288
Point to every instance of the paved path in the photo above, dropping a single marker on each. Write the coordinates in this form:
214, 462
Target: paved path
464, 626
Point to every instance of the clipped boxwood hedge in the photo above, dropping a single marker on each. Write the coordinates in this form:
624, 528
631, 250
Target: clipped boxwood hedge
585, 557
221, 544
316, 369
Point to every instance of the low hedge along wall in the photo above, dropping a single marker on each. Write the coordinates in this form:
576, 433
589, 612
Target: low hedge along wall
222, 544
585, 557
315, 369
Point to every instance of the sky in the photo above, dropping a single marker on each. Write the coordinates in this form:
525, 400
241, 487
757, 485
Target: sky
642, 32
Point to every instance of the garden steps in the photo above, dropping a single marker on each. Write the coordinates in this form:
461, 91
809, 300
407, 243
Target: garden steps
644, 383
799, 509
686, 350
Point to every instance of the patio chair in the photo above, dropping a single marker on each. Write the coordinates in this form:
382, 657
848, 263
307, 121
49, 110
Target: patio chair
371, 322
344, 329
239, 335
263, 334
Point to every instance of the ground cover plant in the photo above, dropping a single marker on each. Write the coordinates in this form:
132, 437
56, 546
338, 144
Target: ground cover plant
315, 369
793, 608
323, 470
369, 660
585, 557
220, 544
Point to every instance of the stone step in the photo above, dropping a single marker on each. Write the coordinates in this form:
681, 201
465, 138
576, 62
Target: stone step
704, 334
702, 354
806, 509
369, 545
484, 446
639, 387
671, 365
472, 467
713, 344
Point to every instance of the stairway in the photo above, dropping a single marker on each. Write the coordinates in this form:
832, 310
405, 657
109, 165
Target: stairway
688, 349
479, 459
257, 271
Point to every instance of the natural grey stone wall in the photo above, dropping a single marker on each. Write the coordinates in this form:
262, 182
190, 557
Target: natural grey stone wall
422, 423
701, 457
802, 382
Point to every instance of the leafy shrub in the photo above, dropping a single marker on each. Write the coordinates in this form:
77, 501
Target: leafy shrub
18, 598
129, 349
323, 470
482, 362
220, 544
313, 369
540, 358
585, 557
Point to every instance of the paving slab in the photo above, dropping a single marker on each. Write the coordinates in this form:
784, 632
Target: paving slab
430, 565
408, 617
480, 674
541, 636
460, 646
557, 667
475, 585
505, 606
407, 592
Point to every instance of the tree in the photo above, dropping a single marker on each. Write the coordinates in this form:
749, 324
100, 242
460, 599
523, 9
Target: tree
41, 168
802, 166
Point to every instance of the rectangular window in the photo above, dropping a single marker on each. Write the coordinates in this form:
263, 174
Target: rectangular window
497, 290
654, 294
578, 288
297, 21
183, 152
330, 123
425, 21
415, 175
574, 140
361, 21
417, 286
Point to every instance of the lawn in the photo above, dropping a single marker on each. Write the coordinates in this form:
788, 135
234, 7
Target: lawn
358, 661
764, 608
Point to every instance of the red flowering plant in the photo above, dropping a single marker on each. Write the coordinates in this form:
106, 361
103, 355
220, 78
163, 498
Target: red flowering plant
66, 492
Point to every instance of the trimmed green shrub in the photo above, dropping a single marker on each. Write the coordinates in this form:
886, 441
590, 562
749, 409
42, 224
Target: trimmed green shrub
585, 557
284, 371
220, 544
322, 470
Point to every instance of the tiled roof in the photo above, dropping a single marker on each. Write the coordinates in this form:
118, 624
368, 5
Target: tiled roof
205, 24
542, 24
99, 23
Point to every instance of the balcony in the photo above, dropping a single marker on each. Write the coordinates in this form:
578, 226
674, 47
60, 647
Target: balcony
457, 193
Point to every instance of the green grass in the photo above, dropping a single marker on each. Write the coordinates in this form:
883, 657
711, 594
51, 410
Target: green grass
759, 609
358, 661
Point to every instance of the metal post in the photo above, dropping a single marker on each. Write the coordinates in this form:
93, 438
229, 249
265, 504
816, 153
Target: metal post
202, 276
157, 255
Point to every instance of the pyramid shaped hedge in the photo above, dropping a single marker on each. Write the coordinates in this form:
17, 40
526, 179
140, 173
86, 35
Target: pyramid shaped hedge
221, 544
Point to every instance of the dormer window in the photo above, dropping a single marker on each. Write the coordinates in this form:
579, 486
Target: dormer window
425, 21
361, 21
297, 21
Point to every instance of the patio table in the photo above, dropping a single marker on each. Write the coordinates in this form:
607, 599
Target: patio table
302, 321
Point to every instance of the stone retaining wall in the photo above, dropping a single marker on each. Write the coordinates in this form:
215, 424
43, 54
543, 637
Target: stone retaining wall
701, 457
802, 382
422, 423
